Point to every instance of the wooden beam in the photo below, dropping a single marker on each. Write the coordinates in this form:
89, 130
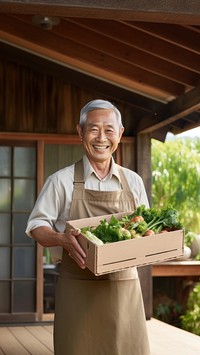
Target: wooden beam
143, 160
86, 59
148, 43
128, 53
171, 112
49, 138
188, 122
187, 37
168, 11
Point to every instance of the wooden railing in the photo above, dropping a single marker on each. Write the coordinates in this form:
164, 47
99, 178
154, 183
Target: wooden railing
176, 268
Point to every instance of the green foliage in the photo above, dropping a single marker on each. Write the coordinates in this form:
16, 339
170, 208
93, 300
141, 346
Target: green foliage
189, 238
158, 219
176, 179
168, 313
134, 225
190, 321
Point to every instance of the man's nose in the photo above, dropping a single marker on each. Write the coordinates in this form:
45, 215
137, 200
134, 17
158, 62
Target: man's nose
102, 135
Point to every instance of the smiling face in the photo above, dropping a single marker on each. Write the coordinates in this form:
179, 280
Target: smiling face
100, 134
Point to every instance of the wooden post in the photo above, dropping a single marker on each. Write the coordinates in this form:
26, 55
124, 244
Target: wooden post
143, 168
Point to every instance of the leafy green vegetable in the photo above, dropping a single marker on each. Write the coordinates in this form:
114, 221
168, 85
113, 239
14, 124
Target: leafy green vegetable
89, 235
159, 219
143, 221
109, 232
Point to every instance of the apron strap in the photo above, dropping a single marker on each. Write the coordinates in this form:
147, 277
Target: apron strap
78, 175
124, 182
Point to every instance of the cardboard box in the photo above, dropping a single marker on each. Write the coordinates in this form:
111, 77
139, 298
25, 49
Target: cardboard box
106, 258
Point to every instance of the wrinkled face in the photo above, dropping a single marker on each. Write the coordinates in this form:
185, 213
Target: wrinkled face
100, 134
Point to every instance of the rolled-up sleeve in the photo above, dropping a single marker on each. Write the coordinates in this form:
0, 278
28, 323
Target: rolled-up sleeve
46, 209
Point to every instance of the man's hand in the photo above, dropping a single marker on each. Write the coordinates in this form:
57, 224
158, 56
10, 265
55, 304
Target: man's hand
47, 237
71, 244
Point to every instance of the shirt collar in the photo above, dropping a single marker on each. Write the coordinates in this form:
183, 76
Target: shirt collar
88, 169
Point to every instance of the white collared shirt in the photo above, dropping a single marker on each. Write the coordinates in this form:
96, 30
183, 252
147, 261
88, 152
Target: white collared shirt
54, 201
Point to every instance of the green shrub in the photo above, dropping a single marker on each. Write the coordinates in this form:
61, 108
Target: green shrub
190, 321
176, 179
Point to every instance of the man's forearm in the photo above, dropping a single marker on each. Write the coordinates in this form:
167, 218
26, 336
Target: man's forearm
47, 237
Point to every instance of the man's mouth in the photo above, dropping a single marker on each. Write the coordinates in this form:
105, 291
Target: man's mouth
100, 147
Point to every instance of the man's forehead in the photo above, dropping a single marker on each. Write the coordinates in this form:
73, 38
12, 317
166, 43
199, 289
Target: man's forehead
102, 115
100, 123
101, 111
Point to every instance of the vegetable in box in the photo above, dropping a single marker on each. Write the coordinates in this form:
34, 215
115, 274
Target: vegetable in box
142, 222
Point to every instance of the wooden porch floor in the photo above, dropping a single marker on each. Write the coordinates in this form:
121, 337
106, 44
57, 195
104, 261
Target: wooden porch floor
37, 340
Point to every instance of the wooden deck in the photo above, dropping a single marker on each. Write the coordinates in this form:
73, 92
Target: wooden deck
26, 340
37, 340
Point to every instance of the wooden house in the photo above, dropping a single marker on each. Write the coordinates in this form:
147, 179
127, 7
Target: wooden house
56, 56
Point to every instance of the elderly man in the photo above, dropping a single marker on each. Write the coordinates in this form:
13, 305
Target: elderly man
94, 315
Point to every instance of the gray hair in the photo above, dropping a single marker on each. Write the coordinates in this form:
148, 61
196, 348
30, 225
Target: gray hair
99, 104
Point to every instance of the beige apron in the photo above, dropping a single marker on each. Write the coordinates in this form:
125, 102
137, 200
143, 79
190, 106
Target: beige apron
98, 315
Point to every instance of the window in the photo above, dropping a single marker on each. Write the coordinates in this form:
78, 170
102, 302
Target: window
17, 251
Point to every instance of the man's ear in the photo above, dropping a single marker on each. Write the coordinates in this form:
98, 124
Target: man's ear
80, 131
120, 133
